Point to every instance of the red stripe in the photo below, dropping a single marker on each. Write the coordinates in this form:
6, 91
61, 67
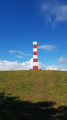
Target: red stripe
35, 60
35, 67
34, 46
34, 53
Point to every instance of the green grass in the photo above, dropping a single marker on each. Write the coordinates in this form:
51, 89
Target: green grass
36, 86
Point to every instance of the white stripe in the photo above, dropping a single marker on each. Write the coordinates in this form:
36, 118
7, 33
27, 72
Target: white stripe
35, 63
34, 56
34, 43
34, 49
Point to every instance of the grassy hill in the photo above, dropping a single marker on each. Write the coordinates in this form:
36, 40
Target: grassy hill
32, 95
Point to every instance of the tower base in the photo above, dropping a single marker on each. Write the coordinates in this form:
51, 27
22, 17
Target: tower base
35, 67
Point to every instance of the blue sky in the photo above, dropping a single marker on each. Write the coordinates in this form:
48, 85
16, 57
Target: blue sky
25, 21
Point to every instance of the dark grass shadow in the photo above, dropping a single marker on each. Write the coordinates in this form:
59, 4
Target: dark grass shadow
13, 109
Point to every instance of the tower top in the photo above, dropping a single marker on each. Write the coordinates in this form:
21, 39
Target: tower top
35, 43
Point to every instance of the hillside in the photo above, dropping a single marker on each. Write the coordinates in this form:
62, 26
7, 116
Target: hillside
39, 90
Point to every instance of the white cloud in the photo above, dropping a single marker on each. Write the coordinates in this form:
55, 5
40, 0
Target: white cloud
11, 51
62, 60
27, 54
53, 67
54, 11
15, 51
19, 52
7, 65
46, 47
19, 56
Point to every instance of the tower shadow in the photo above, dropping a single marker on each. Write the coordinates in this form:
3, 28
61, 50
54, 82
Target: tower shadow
11, 108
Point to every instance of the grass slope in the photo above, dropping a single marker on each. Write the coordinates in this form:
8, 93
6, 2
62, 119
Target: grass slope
40, 92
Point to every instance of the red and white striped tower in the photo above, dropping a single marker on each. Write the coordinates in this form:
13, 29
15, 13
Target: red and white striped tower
35, 59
